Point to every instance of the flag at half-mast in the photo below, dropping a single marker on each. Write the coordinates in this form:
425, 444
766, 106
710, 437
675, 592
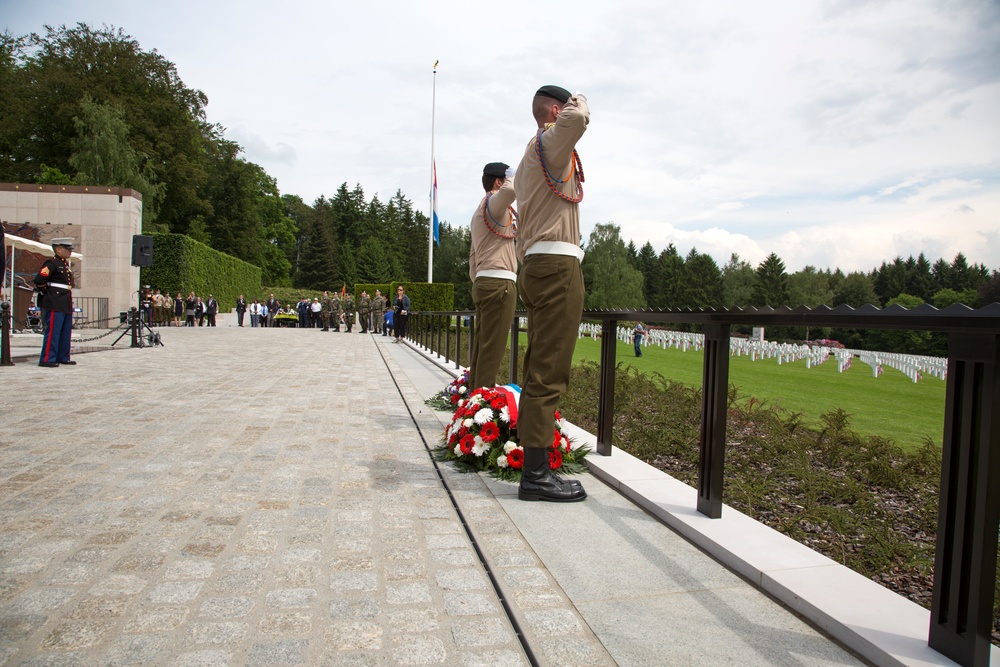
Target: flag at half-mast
434, 207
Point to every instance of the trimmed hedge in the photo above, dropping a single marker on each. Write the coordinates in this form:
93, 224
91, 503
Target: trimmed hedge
181, 264
427, 296
285, 295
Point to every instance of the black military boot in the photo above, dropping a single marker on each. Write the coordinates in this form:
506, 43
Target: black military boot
538, 482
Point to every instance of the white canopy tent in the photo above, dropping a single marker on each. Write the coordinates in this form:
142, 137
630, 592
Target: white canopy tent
21, 243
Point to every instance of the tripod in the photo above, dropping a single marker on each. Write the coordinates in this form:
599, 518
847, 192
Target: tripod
142, 334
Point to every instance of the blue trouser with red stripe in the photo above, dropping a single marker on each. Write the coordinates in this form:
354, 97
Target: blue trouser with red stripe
57, 330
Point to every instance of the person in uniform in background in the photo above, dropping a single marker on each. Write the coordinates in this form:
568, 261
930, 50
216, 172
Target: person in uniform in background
241, 309
348, 311
365, 311
378, 312
549, 190
55, 299
325, 307
157, 308
335, 311
493, 271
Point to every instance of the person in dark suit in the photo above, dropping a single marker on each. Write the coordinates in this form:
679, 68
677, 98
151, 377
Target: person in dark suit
211, 310
241, 309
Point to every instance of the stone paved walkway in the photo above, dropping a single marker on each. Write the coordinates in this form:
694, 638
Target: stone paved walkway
264, 497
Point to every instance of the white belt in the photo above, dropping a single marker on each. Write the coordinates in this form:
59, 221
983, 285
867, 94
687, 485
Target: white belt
555, 248
58, 285
497, 273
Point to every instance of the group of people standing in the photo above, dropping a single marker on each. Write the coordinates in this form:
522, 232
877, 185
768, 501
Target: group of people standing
377, 315
161, 310
544, 235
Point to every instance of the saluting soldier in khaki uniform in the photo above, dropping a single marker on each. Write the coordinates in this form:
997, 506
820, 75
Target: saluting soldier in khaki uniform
549, 189
493, 271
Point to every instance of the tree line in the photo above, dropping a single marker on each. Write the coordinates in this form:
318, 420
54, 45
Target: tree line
620, 275
90, 106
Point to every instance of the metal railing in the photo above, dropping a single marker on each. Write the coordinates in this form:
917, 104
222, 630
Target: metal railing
93, 313
969, 505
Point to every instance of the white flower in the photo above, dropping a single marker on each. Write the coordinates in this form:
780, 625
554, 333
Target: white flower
502, 461
460, 403
505, 415
483, 416
509, 446
479, 447
463, 390
468, 423
476, 400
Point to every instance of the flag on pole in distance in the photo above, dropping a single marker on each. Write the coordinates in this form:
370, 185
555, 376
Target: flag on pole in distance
434, 207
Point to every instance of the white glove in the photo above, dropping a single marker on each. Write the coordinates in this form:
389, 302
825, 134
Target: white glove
509, 174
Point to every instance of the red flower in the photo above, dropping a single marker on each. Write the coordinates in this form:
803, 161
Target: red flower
555, 459
567, 445
498, 403
556, 439
452, 439
516, 458
466, 443
489, 432
454, 399
462, 431
558, 416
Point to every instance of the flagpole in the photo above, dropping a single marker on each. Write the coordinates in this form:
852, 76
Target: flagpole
430, 240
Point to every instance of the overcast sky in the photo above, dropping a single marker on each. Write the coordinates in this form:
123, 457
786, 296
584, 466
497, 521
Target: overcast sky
835, 134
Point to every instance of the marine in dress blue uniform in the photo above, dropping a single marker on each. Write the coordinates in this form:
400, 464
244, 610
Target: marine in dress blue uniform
54, 283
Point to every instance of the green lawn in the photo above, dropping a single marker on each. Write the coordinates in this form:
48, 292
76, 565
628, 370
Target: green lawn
890, 406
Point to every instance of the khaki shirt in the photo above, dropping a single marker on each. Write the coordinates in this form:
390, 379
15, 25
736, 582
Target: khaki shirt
543, 216
489, 251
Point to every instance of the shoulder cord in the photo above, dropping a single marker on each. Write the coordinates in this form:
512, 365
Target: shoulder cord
549, 178
504, 231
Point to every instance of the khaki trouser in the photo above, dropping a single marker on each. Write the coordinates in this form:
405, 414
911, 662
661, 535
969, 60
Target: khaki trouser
551, 288
495, 301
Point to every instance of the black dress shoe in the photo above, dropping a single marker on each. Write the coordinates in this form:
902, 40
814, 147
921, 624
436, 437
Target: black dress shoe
68, 363
538, 482
48, 364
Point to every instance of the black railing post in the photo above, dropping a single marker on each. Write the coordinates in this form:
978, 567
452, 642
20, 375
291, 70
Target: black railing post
515, 336
472, 334
969, 509
5, 315
440, 318
447, 342
458, 342
714, 398
606, 394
